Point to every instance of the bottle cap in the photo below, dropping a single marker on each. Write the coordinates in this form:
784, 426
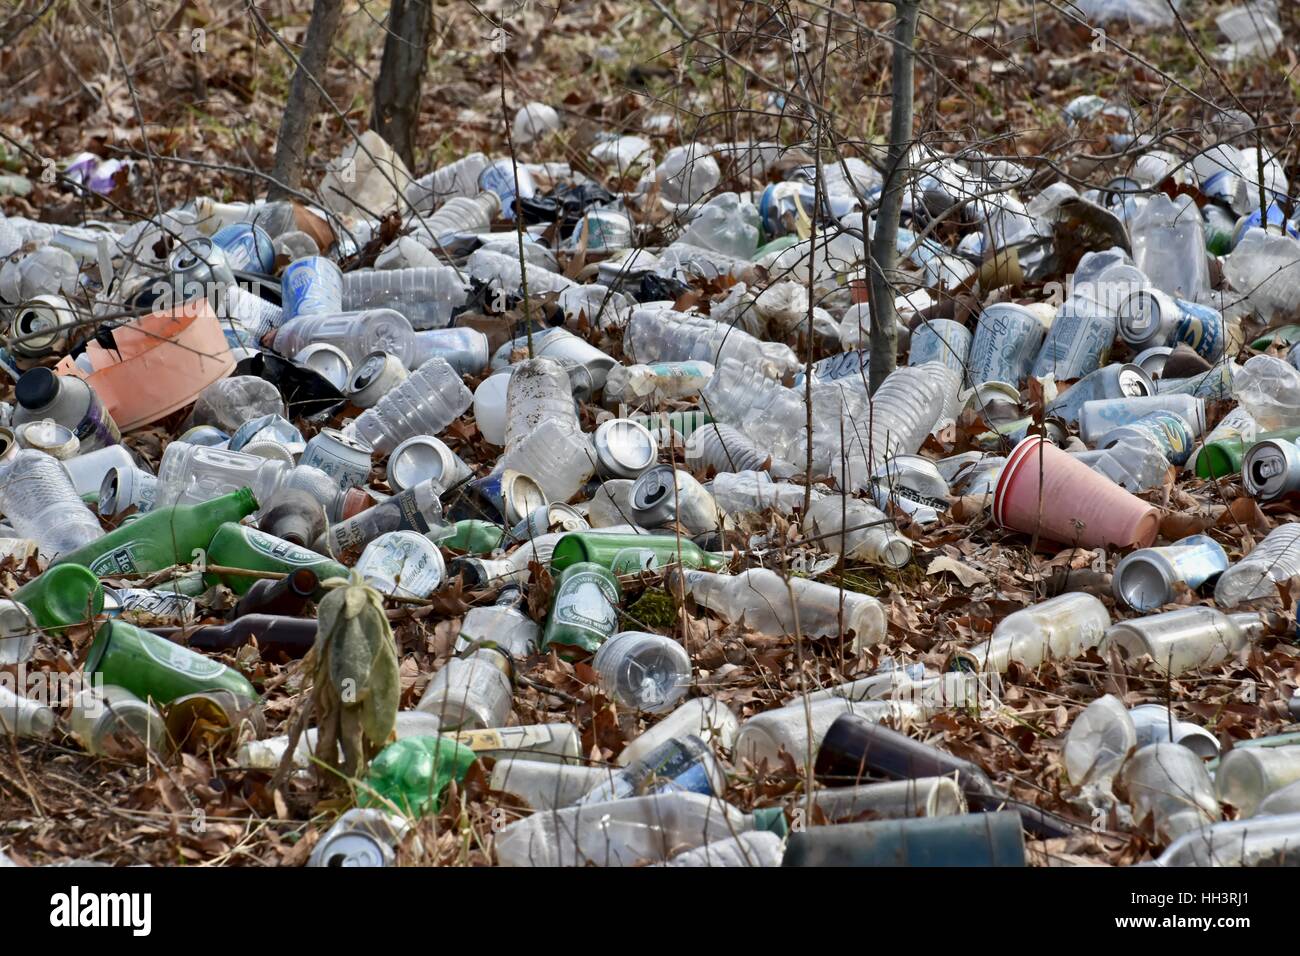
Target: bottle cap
37, 388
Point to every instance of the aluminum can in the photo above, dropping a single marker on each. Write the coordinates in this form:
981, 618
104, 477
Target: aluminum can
1007, 340
1146, 579
344, 459
312, 286
1167, 431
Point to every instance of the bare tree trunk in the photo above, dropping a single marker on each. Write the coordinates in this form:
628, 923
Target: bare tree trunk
397, 90
304, 98
884, 247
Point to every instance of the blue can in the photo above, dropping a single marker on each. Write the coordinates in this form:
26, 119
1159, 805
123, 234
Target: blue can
247, 246
1168, 431
312, 286
787, 208
1007, 340
1150, 317
1078, 342
1216, 383
943, 341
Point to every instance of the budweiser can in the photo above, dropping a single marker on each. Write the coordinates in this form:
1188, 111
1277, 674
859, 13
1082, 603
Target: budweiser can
942, 341
1007, 340
545, 518
1078, 342
344, 459
1146, 579
312, 286
248, 247
854, 364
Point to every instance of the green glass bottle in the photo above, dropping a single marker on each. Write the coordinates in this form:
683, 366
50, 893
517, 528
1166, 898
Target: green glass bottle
150, 666
473, 536
584, 610
161, 538
239, 546
412, 773
64, 595
1221, 458
602, 549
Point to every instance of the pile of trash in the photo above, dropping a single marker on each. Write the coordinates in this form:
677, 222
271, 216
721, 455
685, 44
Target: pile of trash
566, 505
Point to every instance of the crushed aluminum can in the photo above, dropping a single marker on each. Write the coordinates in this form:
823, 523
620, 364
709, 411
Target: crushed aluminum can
344, 459
664, 496
1145, 580
624, 448
546, 518
423, 457
914, 485
1271, 469
1007, 340
1151, 317
463, 348
42, 325
377, 375
998, 403
361, 838
124, 488
402, 564
312, 285
328, 361
198, 270
1167, 431
943, 341
1099, 416
1110, 381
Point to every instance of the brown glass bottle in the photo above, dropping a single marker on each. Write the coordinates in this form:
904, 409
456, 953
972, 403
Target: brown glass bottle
278, 638
286, 597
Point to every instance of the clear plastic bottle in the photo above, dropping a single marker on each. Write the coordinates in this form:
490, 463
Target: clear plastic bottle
638, 385
471, 693
558, 457
688, 173
1259, 841
621, 832
458, 214
40, 501
355, 334
1264, 267
1247, 775
24, 717
726, 224
1058, 629
1269, 389
706, 717
765, 601
1186, 639
881, 545
753, 492
539, 391
770, 414
1098, 743
904, 410
1169, 786
455, 179
501, 624
643, 671
493, 267
546, 784
426, 403
1169, 246
189, 474
425, 295
229, 402
724, 448
753, 848
662, 335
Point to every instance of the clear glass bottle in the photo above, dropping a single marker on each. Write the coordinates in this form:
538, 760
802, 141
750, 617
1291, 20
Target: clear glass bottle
1059, 629
426, 403
1259, 841
1247, 775
1186, 639
471, 692
24, 717
829, 517
1098, 743
39, 499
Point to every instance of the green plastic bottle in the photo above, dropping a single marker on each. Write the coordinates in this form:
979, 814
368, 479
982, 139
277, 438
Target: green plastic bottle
161, 538
64, 595
603, 548
150, 666
473, 536
584, 610
412, 773
239, 546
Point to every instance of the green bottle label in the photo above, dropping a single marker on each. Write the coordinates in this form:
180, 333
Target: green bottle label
119, 561
177, 658
586, 601
278, 548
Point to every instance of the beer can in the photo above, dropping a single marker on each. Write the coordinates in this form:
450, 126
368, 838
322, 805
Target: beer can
506, 496
1078, 342
198, 270
1151, 317
124, 488
463, 348
1145, 579
41, 326
624, 448
1216, 383
995, 402
853, 364
546, 518
423, 457
942, 341
1152, 360
1099, 416
377, 375
148, 608
1007, 340
312, 286
329, 362
8, 444
247, 246
361, 837
501, 177
664, 496
344, 459
1111, 381
1271, 469
1167, 431
402, 564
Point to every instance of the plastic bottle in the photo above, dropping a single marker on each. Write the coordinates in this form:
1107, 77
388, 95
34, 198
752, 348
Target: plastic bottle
837, 521
1186, 639
229, 402
355, 334
417, 509
1169, 786
539, 391
504, 272
768, 413
1169, 246
69, 401
662, 335
113, 722
190, 474
1247, 775
241, 547
557, 456
426, 295
545, 785
460, 214
164, 537
638, 385
643, 671
455, 179
752, 848
24, 717
725, 224
765, 601
904, 411
424, 404
753, 492
680, 764
1099, 741
724, 448
500, 624
1058, 629
619, 832
39, 499
411, 774
1273, 561
1269, 389
1264, 267
471, 692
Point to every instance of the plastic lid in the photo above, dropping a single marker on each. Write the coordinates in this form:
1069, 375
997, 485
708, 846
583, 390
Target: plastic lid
37, 388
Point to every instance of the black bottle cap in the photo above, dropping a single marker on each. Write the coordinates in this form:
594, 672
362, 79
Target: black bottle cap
37, 387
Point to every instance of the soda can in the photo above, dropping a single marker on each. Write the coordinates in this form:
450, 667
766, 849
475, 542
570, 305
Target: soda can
311, 286
1216, 383
1167, 431
942, 341
247, 246
500, 178
506, 497
463, 348
199, 270
624, 448
41, 326
1007, 340
402, 564
1271, 469
1078, 342
362, 837
1152, 360
1145, 580
377, 375
663, 496
546, 518
1151, 317
854, 364
344, 459
124, 488
423, 457
1099, 416
1111, 381
329, 362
